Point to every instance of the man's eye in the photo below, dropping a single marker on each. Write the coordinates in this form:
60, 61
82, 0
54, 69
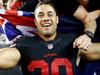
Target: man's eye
50, 14
40, 15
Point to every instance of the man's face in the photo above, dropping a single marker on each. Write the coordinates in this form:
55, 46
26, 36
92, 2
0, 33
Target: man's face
46, 20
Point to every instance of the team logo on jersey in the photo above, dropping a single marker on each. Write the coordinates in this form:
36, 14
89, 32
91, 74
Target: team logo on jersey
50, 46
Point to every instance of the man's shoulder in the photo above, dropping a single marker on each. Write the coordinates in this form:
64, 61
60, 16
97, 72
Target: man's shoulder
27, 40
68, 37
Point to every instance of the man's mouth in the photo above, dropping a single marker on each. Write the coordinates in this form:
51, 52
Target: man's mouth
46, 25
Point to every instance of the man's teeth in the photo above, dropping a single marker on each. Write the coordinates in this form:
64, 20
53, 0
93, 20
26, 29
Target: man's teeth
46, 25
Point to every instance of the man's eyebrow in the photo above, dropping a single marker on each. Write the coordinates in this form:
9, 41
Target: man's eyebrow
50, 12
40, 12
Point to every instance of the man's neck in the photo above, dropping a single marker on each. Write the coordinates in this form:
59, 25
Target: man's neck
50, 38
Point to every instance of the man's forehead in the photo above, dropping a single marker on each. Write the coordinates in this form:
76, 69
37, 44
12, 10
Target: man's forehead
41, 12
45, 7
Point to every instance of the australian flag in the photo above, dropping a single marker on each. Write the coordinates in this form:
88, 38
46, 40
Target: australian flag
14, 23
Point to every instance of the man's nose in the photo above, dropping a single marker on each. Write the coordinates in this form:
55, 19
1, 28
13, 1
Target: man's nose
46, 18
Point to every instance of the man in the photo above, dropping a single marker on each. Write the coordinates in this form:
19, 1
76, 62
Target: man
47, 53
93, 67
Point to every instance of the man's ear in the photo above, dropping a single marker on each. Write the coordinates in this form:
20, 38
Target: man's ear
57, 20
35, 22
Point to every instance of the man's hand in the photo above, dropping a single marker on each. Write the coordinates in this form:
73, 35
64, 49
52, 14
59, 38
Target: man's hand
92, 53
14, 40
92, 16
82, 42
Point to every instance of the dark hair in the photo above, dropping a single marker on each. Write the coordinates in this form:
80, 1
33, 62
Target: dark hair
44, 1
48, 2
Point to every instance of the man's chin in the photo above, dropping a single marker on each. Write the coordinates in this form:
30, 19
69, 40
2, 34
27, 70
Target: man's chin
48, 34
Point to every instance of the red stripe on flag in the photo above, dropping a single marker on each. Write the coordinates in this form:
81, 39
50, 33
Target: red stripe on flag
9, 12
19, 20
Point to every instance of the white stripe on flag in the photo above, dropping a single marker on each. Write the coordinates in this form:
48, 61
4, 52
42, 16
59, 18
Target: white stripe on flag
20, 13
2, 11
3, 27
26, 30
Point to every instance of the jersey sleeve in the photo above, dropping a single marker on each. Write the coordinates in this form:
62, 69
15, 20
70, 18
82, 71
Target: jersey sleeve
20, 43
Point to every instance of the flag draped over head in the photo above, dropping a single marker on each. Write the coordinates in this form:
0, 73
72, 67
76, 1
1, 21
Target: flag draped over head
13, 23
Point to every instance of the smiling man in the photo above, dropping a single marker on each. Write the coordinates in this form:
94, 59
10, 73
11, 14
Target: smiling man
49, 53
